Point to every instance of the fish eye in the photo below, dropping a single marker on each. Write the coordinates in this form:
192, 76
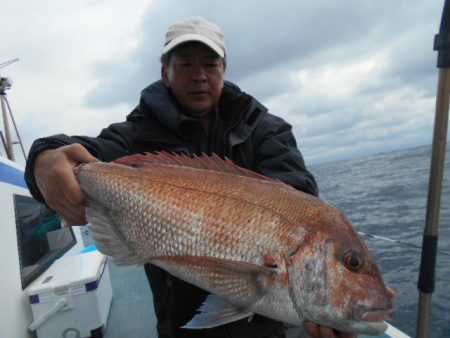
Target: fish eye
353, 261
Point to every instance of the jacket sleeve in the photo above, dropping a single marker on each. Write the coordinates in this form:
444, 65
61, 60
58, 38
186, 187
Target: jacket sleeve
113, 142
276, 155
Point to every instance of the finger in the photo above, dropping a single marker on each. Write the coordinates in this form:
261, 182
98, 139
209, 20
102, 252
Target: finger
326, 332
79, 154
70, 188
312, 329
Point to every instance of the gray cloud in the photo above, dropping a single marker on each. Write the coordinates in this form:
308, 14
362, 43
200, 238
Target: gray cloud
259, 37
352, 77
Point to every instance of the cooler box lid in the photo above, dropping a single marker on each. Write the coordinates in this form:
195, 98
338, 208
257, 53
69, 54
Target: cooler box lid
69, 272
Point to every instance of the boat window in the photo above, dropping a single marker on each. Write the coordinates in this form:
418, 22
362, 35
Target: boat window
41, 239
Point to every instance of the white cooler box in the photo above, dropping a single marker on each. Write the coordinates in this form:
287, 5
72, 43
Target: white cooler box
72, 298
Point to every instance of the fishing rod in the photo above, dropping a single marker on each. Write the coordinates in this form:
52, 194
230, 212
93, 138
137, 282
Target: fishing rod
426, 281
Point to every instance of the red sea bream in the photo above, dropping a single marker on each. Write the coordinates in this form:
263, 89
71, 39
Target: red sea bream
256, 244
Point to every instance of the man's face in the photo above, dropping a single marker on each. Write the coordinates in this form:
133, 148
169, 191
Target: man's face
194, 74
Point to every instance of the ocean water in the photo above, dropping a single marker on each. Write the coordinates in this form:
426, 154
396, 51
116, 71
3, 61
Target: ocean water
386, 195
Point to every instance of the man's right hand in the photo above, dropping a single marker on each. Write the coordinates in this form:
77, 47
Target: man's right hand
56, 180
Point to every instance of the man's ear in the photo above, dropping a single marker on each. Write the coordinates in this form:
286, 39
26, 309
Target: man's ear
165, 75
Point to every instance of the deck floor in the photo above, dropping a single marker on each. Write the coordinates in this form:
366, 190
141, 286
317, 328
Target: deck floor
131, 313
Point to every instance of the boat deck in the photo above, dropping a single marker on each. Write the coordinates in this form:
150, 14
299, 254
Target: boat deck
131, 313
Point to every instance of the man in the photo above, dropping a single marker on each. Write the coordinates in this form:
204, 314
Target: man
191, 110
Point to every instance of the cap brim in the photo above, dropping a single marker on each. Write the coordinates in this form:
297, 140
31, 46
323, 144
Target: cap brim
193, 37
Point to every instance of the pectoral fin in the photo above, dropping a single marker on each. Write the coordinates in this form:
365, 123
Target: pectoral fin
216, 311
240, 282
107, 238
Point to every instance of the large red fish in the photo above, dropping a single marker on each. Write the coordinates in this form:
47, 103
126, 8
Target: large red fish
258, 245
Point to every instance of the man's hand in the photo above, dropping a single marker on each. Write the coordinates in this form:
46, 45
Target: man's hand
55, 179
319, 331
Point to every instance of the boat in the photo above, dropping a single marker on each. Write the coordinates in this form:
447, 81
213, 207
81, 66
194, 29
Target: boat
24, 248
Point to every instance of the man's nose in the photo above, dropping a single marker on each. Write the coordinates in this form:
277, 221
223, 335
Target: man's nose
199, 72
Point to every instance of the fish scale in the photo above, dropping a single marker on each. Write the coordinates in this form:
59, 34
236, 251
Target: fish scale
174, 209
257, 243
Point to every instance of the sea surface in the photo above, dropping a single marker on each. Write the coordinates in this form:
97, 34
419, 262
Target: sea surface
386, 195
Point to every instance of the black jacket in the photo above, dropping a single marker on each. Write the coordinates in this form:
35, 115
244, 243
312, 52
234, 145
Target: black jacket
241, 130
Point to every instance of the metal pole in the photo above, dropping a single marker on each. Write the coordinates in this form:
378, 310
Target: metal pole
15, 127
430, 236
429, 247
9, 144
3, 141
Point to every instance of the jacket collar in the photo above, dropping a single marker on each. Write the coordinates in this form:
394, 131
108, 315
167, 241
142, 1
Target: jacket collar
239, 111
157, 99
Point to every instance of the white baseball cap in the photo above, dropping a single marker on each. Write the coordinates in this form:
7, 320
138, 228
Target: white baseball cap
195, 29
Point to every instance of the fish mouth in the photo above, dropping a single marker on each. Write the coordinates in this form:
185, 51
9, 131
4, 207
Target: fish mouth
372, 314
370, 320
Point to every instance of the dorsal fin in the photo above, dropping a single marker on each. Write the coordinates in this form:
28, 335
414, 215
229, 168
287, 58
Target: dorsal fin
204, 161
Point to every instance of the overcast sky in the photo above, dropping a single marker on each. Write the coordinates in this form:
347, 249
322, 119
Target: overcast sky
353, 77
